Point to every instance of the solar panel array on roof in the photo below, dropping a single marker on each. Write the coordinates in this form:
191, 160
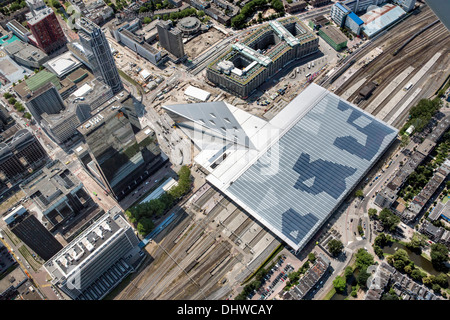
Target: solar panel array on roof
295, 185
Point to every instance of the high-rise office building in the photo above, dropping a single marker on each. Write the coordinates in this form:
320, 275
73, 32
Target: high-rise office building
170, 38
28, 229
98, 52
47, 32
58, 194
44, 100
20, 156
97, 260
116, 158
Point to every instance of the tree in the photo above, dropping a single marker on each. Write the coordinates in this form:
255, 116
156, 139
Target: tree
27, 115
363, 259
408, 269
405, 141
382, 240
372, 213
428, 281
359, 193
56, 4
399, 265
348, 273
436, 288
312, 257
130, 216
335, 247
378, 251
401, 260
8, 95
441, 280
417, 275
12, 100
145, 226
416, 243
439, 256
389, 296
362, 278
339, 284
388, 219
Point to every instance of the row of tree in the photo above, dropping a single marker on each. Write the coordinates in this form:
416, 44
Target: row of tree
16, 104
421, 114
14, 6
143, 214
151, 6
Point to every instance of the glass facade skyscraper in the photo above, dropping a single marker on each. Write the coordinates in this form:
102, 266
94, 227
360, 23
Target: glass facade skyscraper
117, 158
98, 52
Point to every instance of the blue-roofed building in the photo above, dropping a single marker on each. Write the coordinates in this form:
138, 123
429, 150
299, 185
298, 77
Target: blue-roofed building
298, 167
339, 12
354, 23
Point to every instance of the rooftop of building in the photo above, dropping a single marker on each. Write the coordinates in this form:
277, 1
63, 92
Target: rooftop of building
315, 151
86, 246
334, 34
110, 108
50, 184
13, 279
244, 48
63, 64
40, 79
342, 7
89, 92
26, 51
16, 139
355, 18
40, 15
18, 26
378, 19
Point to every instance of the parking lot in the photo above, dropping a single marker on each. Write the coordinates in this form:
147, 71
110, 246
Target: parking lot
274, 281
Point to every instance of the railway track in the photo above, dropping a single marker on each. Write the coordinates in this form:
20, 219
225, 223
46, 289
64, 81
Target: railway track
386, 67
197, 263
392, 40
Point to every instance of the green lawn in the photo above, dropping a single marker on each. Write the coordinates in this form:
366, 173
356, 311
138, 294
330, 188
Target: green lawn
27, 255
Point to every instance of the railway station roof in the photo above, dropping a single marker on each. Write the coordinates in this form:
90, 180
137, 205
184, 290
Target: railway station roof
442, 9
306, 161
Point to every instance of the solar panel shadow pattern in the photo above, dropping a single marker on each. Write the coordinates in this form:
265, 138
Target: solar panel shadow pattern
314, 165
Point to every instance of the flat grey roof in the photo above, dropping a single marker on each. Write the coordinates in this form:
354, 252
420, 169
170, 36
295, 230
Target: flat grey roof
87, 244
442, 9
294, 185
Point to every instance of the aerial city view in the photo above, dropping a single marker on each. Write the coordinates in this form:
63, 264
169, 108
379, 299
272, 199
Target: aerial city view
244, 150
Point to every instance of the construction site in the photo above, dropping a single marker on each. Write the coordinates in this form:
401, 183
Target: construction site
198, 44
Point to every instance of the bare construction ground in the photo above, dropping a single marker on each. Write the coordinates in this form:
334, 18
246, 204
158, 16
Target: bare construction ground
206, 254
202, 42
386, 68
